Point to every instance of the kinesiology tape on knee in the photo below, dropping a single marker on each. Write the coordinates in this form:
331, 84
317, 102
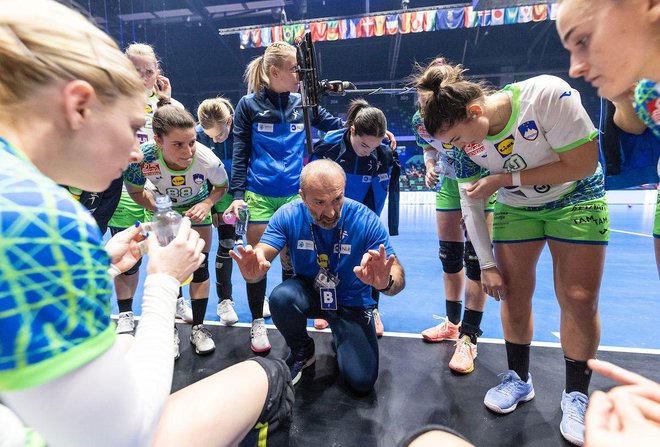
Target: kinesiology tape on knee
451, 256
202, 273
472, 268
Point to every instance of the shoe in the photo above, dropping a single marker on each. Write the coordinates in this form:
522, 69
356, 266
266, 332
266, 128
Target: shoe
574, 407
320, 323
227, 313
183, 310
125, 323
259, 336
463, 359
266, 308
380, 329
444, 331
200, 337
299, 360
505, 397
177, 341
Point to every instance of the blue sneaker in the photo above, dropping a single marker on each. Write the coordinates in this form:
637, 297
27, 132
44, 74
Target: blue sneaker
299, 360
505, 397
574, 407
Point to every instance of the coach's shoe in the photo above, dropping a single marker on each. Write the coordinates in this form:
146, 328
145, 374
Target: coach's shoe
299, 360
266, 308
320, 323
463, 359
574, 407
505, 397
259, 336
177, 341
183, 310
125, 323
200, 337
227, 313
444, 331
380, 329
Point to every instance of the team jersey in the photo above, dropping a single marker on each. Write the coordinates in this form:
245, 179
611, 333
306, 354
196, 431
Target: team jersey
371, 172
424, 140
547, 118
647, 104
54, 285
185, 188
358, 230
146, 132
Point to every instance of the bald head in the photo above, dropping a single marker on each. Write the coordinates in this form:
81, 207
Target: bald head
322, 174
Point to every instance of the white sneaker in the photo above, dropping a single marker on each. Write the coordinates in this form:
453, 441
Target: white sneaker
177, 353
266, 308
183, 310
227, 313
259, 336
200, 337
125, 323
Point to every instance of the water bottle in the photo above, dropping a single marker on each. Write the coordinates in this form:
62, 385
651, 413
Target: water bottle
242, 221
440, 171
166, 221
229, 217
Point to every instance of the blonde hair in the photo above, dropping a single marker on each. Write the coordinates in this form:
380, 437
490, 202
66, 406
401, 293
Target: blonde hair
256, 73
142, 49
214, 111
43, 42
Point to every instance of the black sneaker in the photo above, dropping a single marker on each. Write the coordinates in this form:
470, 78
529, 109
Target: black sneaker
299, 360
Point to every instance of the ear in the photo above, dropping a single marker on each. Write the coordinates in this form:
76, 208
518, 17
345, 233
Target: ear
230, 120
159, 141
654, 9
352, 129
475, 110
77, 97
273, 72
302, 195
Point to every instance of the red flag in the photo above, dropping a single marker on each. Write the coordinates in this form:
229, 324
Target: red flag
277, 33
416, 22
366, 27
540, 13
404, 23
319, 31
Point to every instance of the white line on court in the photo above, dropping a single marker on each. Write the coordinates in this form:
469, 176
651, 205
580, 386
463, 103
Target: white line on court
632, 232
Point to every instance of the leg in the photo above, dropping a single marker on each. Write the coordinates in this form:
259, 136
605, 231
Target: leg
256, 294
125, 287
200, 337
223, 271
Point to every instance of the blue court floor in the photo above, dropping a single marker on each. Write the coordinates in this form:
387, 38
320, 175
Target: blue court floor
630, 293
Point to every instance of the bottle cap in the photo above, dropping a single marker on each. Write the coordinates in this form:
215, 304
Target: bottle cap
163, 202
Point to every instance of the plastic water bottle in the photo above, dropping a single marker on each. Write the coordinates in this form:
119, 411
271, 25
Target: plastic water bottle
242, 221
440, 172
166, 221
229, 218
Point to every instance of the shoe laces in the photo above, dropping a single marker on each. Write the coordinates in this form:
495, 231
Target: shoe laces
181, 305
226, 305
577, 407
258, 328
509, 384
201, 332
463, 346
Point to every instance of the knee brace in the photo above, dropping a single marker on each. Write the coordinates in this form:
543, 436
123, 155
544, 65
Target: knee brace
202, 273
472, 268
133, 270
451, 256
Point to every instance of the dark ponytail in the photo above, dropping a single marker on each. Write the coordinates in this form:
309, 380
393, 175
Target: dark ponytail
168, 117
365, 119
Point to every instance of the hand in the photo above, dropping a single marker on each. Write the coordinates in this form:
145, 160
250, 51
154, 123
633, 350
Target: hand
253, 263
124, 248
197, 213
390, 136
235, 205
485, 186
431, 178
492, 283
374, 269
164, 86
216, 219
181, 257
618, 374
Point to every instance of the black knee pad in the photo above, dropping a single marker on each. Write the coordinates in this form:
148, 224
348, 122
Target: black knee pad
202, 273
226, 239
472, 268
277, 413
451, 256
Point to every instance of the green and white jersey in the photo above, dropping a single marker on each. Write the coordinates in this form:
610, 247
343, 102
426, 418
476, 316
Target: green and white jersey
146, 133
547, 119
54, 285
185, 188
424, 140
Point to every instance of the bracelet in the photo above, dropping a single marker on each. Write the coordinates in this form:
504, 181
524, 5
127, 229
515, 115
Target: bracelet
389, 285
515, 178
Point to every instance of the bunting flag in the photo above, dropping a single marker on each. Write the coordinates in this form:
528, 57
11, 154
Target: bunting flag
403, 23
539, 13
379, 25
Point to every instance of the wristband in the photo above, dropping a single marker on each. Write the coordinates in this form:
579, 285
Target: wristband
389, 285
515, 178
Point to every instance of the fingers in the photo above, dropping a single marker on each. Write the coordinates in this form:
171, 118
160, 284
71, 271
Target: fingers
184, 229
616, 373
629, 414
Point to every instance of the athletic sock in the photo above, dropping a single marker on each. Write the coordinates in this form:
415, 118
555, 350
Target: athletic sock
471, 323
518, 358
199, 310
255, 294
578, 376
454, 309
125, 305
223, 271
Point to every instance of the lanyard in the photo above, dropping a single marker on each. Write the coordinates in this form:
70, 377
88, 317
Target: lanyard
340, 236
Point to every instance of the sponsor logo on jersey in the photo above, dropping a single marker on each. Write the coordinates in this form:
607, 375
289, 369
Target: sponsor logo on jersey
366, 179
514, 163
505, 147
150, 169
654, 110
529, 131
449, 147
541, 189
297, 127
345, 249
178, 180
322, 260
264, 113
149, 109
142, 138
198, 178
383, 177
566, 94
472, 150
305, 245
295, 114
265, 127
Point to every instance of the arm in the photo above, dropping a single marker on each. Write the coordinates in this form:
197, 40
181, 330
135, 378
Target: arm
625, 116
199, 211
326, 121
254, 263
376, 268
141, 196
241, 151
430, 162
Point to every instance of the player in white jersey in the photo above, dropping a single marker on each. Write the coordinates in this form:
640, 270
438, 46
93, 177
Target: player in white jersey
127, 212
537, 142
181, 168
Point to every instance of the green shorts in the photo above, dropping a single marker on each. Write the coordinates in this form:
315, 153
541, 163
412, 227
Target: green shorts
262, 208
208, 220
448, 198
223, 204
586, 222
656, 223
128, 212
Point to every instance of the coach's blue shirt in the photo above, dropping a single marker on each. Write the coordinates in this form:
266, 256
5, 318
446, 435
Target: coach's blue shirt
361, 231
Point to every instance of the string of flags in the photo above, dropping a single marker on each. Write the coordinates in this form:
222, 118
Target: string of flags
399, 23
